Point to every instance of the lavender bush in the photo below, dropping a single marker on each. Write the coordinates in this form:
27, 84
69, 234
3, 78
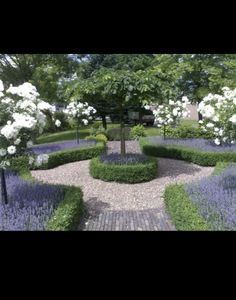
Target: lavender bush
30, 204
199, 144
128, 159
53, 147
215, 198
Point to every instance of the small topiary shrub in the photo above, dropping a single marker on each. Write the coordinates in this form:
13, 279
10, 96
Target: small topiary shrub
101, 138
96, 129
137, 132
113, 134
132, 168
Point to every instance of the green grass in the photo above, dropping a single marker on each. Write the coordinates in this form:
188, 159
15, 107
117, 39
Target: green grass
85, 131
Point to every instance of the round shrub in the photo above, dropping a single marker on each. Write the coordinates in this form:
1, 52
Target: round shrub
132, 168
101, 137
137, 132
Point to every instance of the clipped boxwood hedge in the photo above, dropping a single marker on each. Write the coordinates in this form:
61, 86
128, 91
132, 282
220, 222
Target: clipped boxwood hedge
198, 157
184, 214
126, 173
71, 155
67, 215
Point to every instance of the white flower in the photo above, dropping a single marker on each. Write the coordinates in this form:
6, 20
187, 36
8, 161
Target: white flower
216, 129
85, 121
233, 119
185, 99
29, 144
215, 119
221, 132
200, 122
9, 131
31, 160
209, 125
171, 102
1, 86
41, 159
175, 112
232, 142
11, 150
147, 107
58, 123
3, 152
217, 141
17, 141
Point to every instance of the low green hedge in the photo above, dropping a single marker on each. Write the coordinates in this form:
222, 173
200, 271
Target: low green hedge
71, 155
198, 157
67, 215
132, 173
184, 214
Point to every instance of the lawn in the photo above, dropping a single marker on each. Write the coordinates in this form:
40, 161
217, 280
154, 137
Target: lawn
85, 131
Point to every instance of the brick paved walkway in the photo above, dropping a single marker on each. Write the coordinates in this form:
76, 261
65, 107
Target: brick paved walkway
143, 220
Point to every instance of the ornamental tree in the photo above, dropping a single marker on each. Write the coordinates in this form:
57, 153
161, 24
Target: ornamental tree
125, 89
25, 117
81, 113
219, 116
169, 113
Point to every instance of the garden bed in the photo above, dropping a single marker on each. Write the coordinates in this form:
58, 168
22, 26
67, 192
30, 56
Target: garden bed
34, 206
68, 155
199, 151
133, 168
208, 204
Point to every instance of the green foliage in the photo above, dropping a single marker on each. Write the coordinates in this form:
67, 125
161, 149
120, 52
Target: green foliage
186, 131
67, 215
124, 173
185, 153
61, 116
137, 132
220, 167
113, 134
184, 214
71, 155
101, 137
96, 129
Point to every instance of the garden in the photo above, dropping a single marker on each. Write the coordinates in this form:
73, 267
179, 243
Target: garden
90, 165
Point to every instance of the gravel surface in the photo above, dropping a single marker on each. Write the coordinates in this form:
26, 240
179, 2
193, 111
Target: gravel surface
101, 196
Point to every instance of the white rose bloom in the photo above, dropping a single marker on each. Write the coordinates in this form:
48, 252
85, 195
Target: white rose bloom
233, 119
175, 112
9, 131
221, 132
58, 123
171, 102
29, 144
85, 121
1, 86
215, 119
147, 107
209, 125
217, 142
17, 141
232, 142
216, 129
200, 122
11, 150
224, 139
234, 101
3, 152
80, 105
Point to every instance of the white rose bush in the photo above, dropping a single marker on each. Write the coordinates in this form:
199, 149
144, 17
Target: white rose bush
82, 113
24, 113
219, 116
169, 113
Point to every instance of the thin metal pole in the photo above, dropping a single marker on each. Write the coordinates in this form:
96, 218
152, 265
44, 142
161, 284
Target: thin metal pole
3, 187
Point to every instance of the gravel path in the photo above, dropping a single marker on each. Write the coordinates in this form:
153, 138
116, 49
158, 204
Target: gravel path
138, 204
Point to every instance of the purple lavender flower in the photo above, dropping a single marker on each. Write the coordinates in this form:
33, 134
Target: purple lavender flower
215, 198
118, 159
199, 144
30, 204
53, 147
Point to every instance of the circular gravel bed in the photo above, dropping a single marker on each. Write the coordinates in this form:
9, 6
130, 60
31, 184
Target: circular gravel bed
109, 196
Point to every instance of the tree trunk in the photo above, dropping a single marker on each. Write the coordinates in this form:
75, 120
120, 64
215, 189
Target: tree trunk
122, 138
199, 116
3, 187
77, 132
104, 122
164, 132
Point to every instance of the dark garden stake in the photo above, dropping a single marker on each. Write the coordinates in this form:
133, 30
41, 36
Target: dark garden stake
3, 187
